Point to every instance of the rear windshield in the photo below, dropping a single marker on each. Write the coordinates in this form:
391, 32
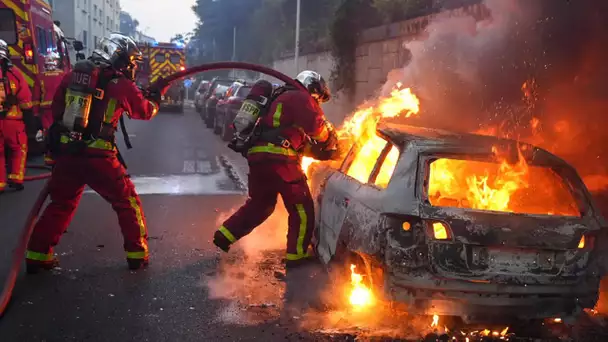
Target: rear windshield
243, 92
220, 90
159, 58
8, 28
495, 186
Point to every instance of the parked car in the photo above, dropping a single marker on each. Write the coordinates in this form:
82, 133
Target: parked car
227, 108
435, 252
219, 93
199, 94
216, 82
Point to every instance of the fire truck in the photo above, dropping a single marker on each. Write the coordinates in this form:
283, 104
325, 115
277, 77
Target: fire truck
39, 49
162, 60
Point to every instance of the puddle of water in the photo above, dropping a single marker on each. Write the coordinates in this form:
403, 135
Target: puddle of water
194, 184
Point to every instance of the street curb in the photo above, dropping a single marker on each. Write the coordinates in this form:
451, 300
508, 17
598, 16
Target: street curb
233, 172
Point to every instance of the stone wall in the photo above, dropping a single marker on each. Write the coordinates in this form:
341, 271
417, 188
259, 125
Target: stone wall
381, 50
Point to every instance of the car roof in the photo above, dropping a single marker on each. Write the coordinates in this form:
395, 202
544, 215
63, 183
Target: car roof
463, 143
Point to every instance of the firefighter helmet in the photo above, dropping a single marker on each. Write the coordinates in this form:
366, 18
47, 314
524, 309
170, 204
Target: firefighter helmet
121, 52
4, 54
315, 84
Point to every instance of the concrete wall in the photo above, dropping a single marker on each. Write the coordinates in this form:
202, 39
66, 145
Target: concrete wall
381, 49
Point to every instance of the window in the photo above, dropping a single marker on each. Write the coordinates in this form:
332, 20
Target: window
41, 40
387, 168
365, 159
84, 37
8, 27
95, 40
50, 42
243, 92
94, 8
498, 186
175, 58
159, 58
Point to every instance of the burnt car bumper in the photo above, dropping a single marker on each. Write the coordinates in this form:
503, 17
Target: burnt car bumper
411, 280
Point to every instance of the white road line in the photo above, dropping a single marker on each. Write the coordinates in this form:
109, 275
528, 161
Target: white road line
189, 166
203, 166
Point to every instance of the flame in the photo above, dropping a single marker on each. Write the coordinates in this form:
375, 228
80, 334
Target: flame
361, 126
494, 186
360, 295
435, 322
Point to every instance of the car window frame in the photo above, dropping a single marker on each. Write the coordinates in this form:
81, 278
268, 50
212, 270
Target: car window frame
350, 157
380, 162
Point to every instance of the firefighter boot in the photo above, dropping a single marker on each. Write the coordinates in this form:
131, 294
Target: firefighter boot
221, 241
34, 266
136, 264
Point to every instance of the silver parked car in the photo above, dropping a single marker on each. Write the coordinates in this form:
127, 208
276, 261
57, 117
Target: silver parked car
430, 225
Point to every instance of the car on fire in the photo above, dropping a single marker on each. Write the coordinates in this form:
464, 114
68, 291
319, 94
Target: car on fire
438, 223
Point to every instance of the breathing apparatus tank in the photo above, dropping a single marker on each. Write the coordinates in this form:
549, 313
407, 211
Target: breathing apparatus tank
247, 118
79, 98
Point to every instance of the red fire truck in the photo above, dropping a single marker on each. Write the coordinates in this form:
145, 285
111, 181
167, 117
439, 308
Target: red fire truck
39, 49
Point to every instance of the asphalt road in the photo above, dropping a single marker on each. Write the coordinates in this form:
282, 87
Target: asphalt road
189, 181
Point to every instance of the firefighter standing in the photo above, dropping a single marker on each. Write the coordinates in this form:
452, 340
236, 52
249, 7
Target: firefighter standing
86, 110
15, 107
294, 119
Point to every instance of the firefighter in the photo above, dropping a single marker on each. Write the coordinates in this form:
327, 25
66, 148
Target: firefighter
15, 107
86, 110
294, 119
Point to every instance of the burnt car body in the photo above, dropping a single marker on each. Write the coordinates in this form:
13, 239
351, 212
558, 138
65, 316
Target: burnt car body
487, 264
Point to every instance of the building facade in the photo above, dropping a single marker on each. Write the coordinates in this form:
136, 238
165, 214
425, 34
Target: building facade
87, 20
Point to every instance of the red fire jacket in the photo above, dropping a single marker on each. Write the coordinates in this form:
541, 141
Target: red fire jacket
297, 116
20, 89
120, 96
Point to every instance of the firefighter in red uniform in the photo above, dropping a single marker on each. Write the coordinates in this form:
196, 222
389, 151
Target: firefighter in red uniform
15, 107
293, 121
86, 110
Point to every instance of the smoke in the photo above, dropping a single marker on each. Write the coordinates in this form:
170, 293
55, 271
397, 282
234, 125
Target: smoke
245, 276
542, 59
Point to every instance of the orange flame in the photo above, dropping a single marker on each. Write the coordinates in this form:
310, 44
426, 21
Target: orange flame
360, 295
361, 126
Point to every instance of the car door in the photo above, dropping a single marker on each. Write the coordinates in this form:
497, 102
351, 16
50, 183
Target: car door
349, 197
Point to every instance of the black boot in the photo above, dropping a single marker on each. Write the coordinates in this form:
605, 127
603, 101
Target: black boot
34, 266
308, 260
136, 264
221, 241
16, 186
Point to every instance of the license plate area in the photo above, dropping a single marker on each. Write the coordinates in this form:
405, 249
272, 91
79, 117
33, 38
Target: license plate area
515, 260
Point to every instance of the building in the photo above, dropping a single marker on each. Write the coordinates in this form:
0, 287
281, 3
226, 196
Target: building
87, 20
142, 38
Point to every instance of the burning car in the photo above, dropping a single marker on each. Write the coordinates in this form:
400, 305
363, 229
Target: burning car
461, 224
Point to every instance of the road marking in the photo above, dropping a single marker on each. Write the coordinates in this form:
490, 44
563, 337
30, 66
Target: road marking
203, 166
189, 166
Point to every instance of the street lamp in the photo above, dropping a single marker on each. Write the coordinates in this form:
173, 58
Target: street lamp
297, 47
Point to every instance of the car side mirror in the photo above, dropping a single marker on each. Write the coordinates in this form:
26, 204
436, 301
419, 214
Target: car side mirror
78, 46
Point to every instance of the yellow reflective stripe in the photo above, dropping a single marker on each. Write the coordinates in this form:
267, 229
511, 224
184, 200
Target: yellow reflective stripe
39, 256
293, 257
276, 118
107, 118
227, 234
26, 105
2, 185
270, 148
98, 143
46, 103
322, 136
138, 215
154, 109
303, 222
137, 255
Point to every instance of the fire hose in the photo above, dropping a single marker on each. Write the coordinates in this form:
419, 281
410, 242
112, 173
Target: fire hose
161, 83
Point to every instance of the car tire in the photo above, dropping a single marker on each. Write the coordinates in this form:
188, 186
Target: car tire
208, 121
216, 128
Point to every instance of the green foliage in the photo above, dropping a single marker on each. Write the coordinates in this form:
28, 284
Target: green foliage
351, 17
397, 10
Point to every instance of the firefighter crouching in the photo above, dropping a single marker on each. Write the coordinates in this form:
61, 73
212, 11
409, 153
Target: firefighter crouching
86, 110
15, 107
287, 123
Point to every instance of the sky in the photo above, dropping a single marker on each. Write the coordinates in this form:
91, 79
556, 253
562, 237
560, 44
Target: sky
162, 19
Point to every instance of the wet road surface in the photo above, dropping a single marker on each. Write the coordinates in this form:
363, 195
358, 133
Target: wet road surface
189, 181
